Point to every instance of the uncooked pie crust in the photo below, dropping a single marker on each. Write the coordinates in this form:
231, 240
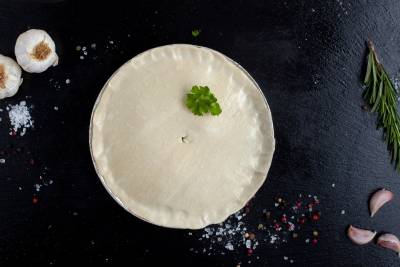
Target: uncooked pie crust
164, 164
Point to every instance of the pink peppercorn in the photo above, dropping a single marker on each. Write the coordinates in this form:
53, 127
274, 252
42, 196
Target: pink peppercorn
249, 252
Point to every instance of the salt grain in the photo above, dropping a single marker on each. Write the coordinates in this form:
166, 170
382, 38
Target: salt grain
37, 187
343, 212
2, 161
281, 226
67, 81
20, 118
229, 246
273, 239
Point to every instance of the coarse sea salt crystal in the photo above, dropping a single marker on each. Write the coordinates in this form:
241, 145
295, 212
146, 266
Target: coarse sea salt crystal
273, 239
229, 246
20, 117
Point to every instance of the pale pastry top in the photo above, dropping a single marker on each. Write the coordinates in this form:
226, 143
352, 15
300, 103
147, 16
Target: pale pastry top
137, 127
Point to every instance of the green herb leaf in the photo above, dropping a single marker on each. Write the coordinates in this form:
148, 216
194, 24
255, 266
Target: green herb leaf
382, 98
196, 32
200, 101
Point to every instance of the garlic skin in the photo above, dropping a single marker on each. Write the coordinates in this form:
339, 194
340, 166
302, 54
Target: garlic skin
35, 51
378, 199
389, 241
360, 236
10, 77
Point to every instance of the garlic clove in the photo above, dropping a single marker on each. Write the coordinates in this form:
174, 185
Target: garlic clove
378, 199
10, 77
35, 51
360, 236
389, 241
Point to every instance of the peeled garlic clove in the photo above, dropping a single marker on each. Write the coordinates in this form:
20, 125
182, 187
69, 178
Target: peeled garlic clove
360, 236
389, 241
35, 51
10, 77
378, 199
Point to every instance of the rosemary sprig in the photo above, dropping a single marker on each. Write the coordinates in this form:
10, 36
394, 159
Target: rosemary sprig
381, 95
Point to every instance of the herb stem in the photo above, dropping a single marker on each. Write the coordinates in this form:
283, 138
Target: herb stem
381, 96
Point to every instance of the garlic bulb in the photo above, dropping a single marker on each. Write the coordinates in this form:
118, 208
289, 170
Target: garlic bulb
10, 77
35, 51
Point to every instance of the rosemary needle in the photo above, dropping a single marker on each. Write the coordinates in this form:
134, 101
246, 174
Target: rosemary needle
381, 95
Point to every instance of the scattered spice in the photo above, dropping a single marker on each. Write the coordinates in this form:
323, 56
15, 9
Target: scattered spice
20, 118
42, 182
252, 236
286, 221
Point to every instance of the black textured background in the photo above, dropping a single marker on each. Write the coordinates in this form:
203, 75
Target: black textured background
308, 57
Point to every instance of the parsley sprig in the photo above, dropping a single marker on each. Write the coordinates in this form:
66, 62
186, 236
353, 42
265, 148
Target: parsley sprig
200, 101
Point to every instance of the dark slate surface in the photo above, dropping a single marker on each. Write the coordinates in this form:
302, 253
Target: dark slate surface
308, 57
